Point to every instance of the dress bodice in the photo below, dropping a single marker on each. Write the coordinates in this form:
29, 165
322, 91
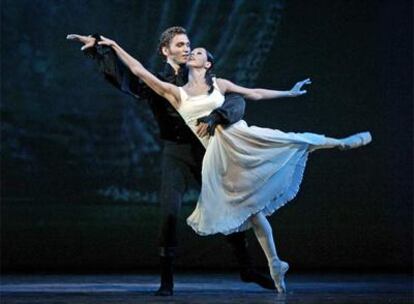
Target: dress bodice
194, 107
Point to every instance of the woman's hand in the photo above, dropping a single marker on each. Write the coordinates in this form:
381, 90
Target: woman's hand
297, 88
88, 41
106, 41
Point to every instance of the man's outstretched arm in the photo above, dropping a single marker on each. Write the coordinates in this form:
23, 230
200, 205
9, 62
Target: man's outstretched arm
114, 71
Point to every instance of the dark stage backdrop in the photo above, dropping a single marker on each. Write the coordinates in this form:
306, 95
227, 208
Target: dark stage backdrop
80, 160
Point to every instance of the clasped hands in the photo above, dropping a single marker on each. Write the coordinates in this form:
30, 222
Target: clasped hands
90, 41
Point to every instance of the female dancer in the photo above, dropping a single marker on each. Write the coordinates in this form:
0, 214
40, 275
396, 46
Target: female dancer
248, 172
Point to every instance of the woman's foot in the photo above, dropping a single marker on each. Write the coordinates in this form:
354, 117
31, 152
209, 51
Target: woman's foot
355, 141
278, 270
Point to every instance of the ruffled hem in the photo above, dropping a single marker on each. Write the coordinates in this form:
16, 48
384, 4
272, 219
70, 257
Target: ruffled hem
241, 223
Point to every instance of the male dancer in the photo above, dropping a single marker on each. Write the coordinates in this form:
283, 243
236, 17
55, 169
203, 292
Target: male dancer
182, 153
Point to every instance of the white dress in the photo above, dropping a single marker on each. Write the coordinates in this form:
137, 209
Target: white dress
245, 169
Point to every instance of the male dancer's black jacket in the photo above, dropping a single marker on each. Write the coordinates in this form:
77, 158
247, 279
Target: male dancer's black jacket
172, 126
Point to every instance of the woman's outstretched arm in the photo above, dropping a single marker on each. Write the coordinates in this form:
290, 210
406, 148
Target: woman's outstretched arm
165, 89
227, 86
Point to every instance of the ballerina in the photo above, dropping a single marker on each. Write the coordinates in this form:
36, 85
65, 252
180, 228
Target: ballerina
248, 172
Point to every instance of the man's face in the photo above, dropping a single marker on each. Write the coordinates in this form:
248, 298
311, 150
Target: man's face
179, 49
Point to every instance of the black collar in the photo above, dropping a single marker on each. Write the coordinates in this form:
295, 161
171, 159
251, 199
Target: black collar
169, 72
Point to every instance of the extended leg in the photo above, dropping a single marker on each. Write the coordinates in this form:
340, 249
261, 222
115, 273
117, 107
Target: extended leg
351, 142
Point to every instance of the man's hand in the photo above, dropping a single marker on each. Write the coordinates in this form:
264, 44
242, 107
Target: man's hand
208, 124
202, 129
88, 41
106, 41
297, 88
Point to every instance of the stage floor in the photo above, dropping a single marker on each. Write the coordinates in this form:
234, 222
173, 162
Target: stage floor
201, 288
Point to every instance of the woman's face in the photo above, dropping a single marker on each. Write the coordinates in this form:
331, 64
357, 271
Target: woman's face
198, 59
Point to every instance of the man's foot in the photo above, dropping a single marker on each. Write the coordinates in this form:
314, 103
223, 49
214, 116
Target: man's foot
355, 141
164, 291
253, 276
278, 270
167, 276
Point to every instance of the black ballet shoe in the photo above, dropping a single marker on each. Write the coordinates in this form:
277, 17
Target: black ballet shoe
253, 276
167, 277
164, 291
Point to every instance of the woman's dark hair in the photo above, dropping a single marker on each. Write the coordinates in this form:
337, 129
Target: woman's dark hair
209, 76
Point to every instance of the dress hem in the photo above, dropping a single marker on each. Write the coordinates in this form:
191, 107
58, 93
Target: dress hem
269, 208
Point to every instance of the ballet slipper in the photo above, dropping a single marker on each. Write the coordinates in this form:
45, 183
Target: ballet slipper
355, 141
278, 270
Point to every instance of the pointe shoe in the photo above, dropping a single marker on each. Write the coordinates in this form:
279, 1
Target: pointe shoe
278, 270
355, 141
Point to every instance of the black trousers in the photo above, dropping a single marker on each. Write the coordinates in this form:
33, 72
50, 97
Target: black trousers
182, 163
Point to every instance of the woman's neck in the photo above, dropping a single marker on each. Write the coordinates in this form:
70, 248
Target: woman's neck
196, 77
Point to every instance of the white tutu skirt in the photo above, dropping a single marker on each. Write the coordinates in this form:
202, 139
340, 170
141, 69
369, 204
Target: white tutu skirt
247, 170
